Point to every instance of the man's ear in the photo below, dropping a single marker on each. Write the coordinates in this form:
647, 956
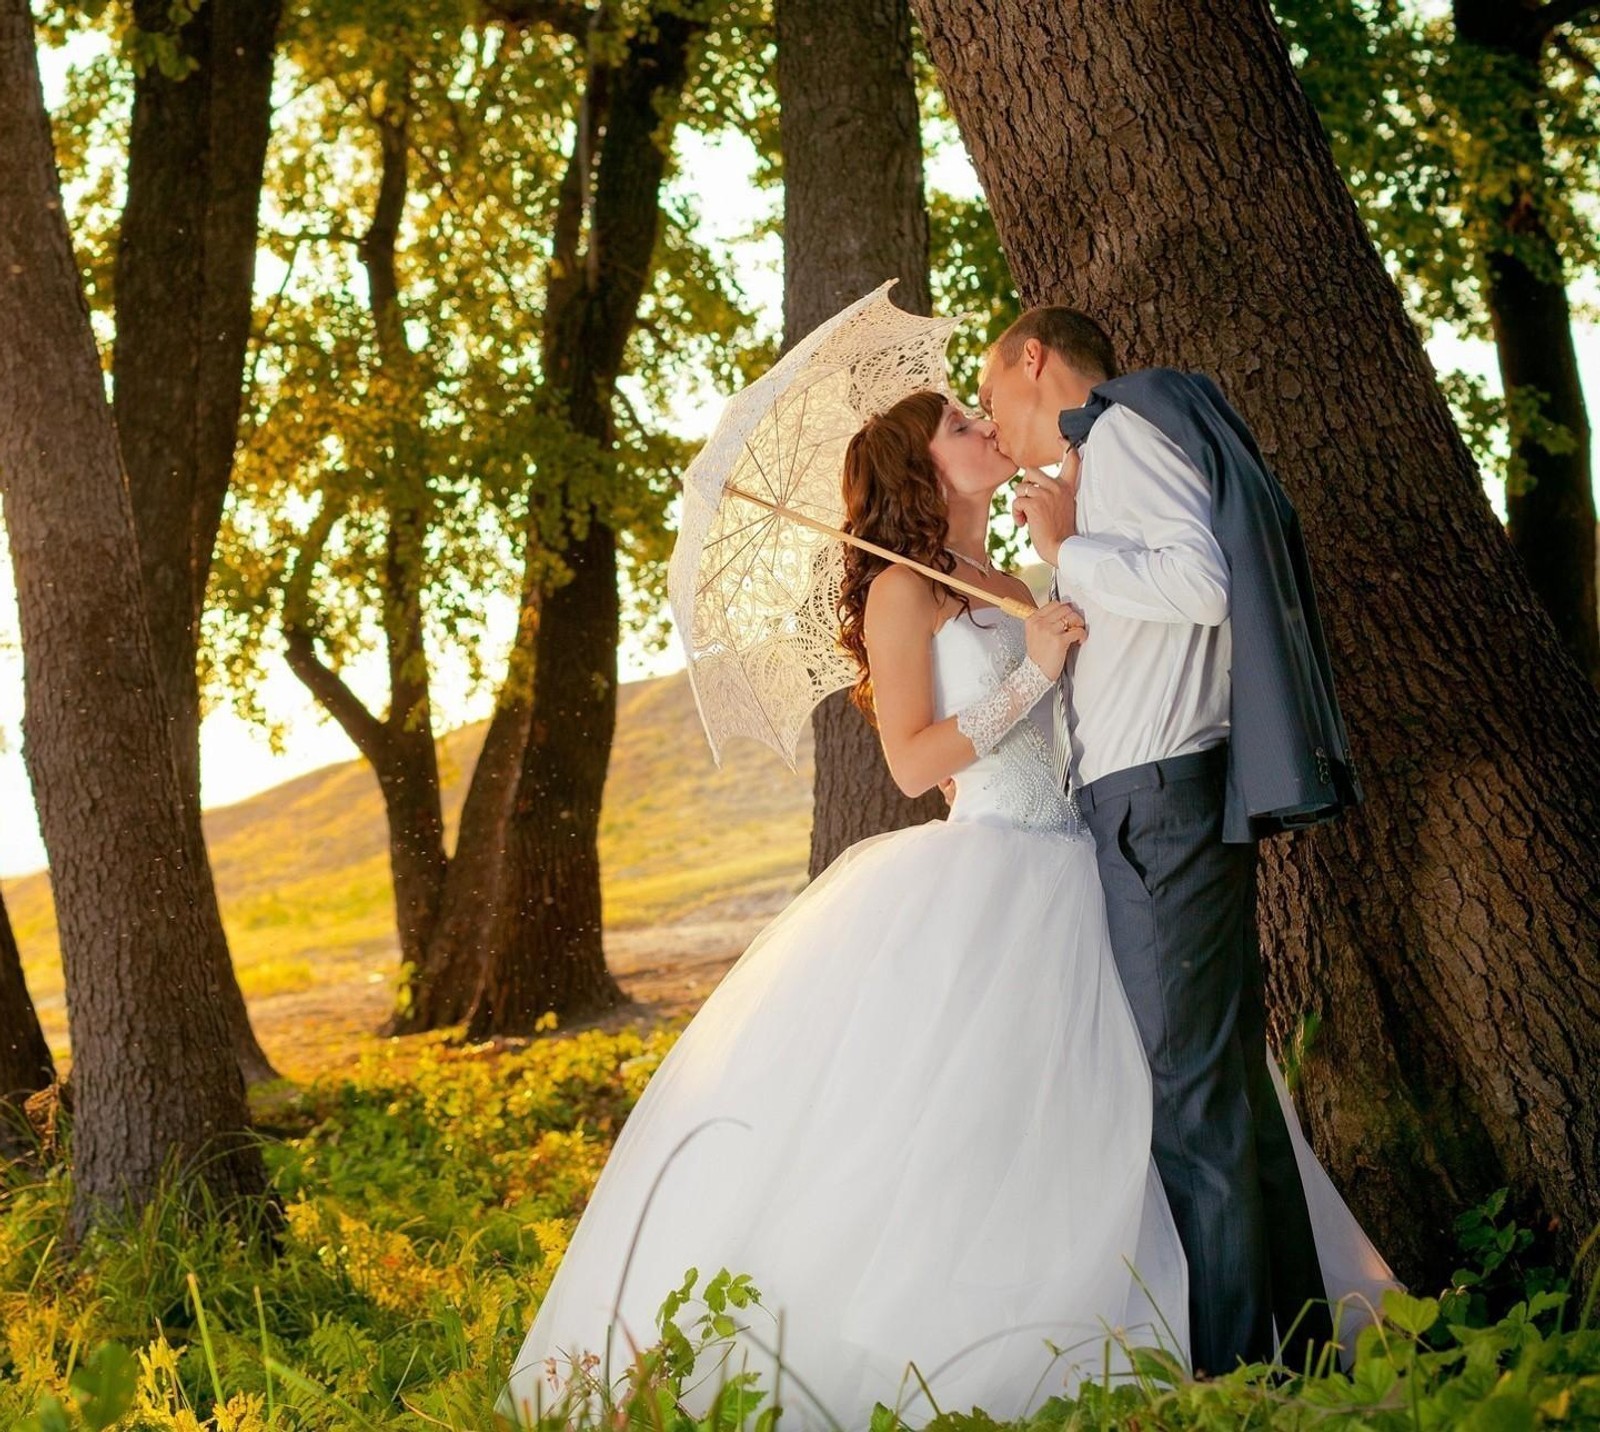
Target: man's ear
1033, 356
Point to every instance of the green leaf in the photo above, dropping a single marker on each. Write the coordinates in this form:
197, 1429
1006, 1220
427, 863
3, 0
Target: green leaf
1158, 1365
105, 1384
49, 1416
1373, 1379
883, 1420
1410, 1315
716, 1292
1505, 1412
1545, 1302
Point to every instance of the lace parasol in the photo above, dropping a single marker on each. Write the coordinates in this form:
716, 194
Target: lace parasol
755, 574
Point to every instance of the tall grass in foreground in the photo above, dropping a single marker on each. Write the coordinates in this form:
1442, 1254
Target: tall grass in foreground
427, 1199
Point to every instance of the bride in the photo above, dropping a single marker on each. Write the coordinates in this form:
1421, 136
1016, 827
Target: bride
916, 1112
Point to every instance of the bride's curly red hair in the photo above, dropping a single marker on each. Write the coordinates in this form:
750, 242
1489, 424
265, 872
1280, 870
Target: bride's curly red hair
892, 497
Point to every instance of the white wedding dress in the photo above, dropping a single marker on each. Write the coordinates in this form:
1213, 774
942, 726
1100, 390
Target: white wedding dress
916, 1112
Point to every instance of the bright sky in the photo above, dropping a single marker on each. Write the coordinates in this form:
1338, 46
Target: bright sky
236, 759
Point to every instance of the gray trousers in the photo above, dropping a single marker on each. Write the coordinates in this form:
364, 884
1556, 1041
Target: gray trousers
1181, 907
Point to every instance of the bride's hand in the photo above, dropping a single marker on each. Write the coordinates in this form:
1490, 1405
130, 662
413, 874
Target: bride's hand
1051, 632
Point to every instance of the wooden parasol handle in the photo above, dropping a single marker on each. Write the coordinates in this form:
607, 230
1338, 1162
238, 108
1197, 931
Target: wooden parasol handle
1019, 609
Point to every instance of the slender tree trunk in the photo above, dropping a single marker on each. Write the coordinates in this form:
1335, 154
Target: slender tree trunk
551, 958
400, 746
25, 1062
1551, 511
408, 776
1447, 932
441, 989
853, 216
155, 1075
185, 266
407, 767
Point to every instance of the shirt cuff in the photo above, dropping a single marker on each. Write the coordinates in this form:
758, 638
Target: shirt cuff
1078, 558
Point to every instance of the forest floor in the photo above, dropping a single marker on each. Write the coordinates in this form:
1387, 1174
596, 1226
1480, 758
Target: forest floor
666, 971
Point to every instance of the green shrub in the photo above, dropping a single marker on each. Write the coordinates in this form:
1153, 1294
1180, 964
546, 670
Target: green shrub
428, 1197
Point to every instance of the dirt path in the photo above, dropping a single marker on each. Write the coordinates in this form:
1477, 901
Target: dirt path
666, 971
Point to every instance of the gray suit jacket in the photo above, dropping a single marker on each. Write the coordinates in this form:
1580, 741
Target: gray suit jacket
1289, 755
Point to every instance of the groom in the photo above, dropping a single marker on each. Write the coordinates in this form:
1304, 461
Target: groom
1202, 717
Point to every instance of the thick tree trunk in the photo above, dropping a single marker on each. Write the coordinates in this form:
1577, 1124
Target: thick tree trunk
185, 266
25, 1062
852, 794
853, 216
1447, 932
441, 989
1552, 513
548, 956
155, 1076
551, 958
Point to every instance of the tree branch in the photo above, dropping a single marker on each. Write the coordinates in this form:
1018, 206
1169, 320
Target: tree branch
1555, 13
331, 693
377, 247
573, 195
565, 17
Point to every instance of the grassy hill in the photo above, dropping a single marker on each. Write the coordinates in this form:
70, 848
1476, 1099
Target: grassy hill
303, 870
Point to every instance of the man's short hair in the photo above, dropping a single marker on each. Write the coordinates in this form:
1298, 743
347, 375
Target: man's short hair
1072, 336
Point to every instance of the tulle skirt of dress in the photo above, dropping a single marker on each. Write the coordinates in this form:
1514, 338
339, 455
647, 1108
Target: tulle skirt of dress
917, 1114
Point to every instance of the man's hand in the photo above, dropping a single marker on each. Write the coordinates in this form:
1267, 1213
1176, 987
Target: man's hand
1048, 507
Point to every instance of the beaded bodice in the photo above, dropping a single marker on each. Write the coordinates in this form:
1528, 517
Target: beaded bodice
1015, 783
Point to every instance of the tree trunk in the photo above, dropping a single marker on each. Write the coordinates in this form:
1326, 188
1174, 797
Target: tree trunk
551, 958
408, 763
1447, 932
184, 271
1551, 510
155, 1076
853, 216
440, 990
400, 746
408, 776
25, 1062
548, 956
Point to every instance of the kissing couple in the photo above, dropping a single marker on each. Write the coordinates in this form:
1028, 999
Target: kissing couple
990, 1104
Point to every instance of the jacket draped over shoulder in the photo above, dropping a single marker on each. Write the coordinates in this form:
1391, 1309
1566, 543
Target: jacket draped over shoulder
1289, 759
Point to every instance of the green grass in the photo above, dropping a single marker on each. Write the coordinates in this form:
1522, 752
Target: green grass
429, 1195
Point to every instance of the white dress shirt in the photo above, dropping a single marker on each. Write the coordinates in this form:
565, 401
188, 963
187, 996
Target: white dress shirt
1153, 677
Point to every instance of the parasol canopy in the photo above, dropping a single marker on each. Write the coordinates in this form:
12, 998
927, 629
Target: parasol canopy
755, 574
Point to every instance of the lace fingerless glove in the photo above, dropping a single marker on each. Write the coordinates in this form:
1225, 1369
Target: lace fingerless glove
986, 720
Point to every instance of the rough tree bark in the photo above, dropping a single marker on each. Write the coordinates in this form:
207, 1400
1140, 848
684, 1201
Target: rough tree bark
185, 266
155, 1076
853, 216
1552, 514
550, 956
1447, 932
25, 1062
441, 989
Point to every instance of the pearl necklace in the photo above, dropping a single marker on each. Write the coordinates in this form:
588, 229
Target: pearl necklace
986, 567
